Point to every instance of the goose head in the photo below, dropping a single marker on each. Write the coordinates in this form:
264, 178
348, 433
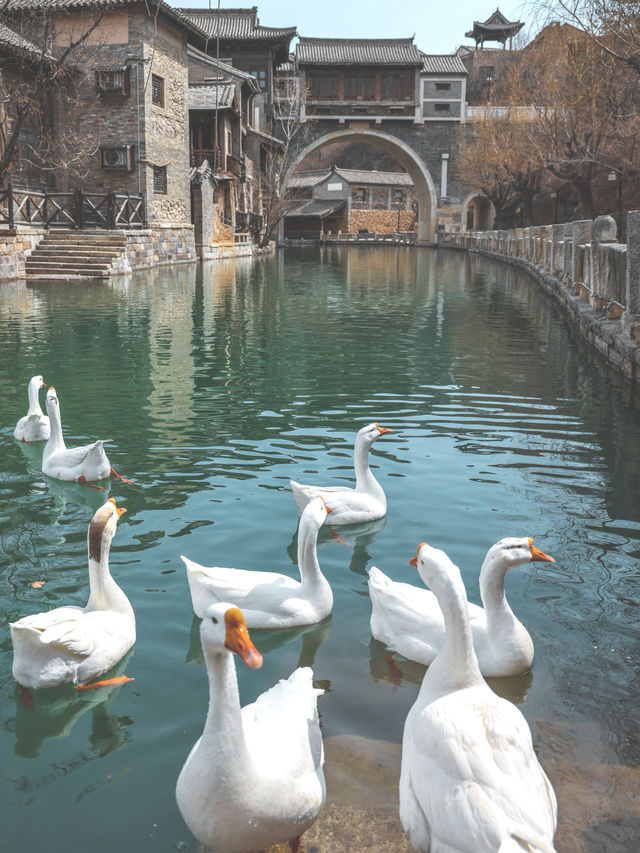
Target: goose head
103, 527
36, 382
434, 567
315, 512
223, 628
370, 433
51, 402
513, 551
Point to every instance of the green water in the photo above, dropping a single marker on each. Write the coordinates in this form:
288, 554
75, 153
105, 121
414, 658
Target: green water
218, 385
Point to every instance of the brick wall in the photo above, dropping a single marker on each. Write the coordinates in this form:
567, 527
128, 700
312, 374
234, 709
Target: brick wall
380, 221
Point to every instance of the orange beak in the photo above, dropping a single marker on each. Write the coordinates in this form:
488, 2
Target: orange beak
328, 508
119, 509
237, 638
414, 560
383, 430
538, 556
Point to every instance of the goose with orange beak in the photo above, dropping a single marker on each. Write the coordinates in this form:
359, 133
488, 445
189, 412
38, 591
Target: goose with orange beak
75, 644
469, 777
254, 778
270, 599
365, 502
84, 464
408, 619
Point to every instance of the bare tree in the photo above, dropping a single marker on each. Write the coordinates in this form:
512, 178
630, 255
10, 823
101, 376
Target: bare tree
614, 25
289, 136
39, 81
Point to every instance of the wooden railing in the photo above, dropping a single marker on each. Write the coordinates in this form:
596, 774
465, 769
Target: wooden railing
77, 209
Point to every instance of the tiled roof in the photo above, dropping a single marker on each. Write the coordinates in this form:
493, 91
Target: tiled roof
10, 6
223, 68
317, 207
442, 64
17, 43
309, 179
351, 176
365, 176
235, 24
317, 51
211, 97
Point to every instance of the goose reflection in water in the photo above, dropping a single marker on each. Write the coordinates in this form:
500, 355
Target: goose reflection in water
313, 636
385, 665
52, 712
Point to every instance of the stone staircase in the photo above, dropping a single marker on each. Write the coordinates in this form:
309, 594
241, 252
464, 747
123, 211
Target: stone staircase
75, 254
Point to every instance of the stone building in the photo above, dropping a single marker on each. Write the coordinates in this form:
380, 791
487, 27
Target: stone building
350, 200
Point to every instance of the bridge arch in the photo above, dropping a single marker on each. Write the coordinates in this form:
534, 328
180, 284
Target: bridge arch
478, 212
403, 153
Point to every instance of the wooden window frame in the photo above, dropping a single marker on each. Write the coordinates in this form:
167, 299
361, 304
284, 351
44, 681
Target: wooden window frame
112, 81
160, 180
157, 90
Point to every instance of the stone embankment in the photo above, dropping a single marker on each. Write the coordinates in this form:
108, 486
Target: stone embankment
595, 278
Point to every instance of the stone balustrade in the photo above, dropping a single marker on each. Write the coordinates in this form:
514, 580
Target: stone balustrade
581, 263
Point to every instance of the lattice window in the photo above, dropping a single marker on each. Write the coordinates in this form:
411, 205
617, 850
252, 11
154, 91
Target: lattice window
113, 81
160, 179
157, 90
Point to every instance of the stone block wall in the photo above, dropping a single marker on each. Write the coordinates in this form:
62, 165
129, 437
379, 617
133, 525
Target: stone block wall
157, 246
15, 247
380, 221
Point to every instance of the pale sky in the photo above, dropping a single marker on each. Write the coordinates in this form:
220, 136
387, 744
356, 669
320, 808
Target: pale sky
438, 25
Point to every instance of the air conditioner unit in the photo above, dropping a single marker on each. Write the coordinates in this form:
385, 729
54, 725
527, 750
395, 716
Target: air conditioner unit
118, 158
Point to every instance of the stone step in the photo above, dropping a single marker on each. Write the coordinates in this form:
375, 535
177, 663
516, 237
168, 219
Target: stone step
44, 266
99, 244
63, 254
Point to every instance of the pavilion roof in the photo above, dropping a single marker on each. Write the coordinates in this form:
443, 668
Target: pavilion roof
241, 25
495, 28
329, 51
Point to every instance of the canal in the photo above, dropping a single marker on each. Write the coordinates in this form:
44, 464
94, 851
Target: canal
217, 385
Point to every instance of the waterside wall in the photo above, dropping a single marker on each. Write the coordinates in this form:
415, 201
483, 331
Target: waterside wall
595, 278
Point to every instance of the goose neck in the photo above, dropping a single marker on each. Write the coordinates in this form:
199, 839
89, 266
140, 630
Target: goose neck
491, 582
308, 564
223, 729
365, 481
56, 440
34, 401
104, 592
456, 665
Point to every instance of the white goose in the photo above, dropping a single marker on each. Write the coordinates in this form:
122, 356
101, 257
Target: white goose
77, 643
469, 778
366, 501
34, 426
269, 599
255, 776
408, 619
84, 464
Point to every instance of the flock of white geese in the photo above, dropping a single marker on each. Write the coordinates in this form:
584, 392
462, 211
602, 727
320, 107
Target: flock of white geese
470, 779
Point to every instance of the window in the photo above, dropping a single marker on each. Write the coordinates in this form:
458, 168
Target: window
160, 179
261, 76
359, 87
157, 90
443, 87
358, 195
398, 87
442, 108
486, 73
398, 197
113, 81
323, 87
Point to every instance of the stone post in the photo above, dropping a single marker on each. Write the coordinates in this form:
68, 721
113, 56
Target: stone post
580, 234
557, 238
631, 316
603, 230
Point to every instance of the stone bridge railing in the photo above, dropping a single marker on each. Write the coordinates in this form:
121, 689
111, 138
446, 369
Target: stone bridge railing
586, 268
